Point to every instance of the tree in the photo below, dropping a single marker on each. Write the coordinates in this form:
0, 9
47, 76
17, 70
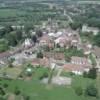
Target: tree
75, 25
79, 91
5, 85
46, 48
11, 39
28, 27
85, 74
2, 92
39, 33
40, 55
18, 35
34, 38
68, 58
17, 91
2, 32
92, 73
10, 65
3, 46
8, 28
91, 90
26, 97
97, 39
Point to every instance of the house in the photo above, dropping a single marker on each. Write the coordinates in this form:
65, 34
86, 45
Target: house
87, 48
5, 55
63, 41
81, 61
28, 43
88, 29
51, 34
54, 55
75, 40
17, 26
42, 62
74, 68
45, 40
96, 52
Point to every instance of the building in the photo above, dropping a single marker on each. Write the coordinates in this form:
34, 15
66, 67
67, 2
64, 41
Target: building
4, 57
63, 41
81, 61
40, 62
87, 48
94, 30
54, 55
46, 41
28, 43
74, 68
96, 52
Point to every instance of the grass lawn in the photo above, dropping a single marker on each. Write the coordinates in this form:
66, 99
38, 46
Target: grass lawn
12, 72
79, 80
4, 13
38, 91
7, 13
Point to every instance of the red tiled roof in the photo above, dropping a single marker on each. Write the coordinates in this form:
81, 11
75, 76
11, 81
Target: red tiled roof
80, 60
73, 67
55, 55
4, 54
42, 62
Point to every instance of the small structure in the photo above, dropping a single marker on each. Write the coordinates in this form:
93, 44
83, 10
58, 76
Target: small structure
29, 70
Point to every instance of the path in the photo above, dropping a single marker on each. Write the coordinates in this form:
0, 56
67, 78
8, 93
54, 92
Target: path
59, 72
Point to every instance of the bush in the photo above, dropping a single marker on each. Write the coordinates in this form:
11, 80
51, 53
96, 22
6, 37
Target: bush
2, 92
39, 55
91, 90
92, 73
5, 85
79, 91
85, 74
17, 91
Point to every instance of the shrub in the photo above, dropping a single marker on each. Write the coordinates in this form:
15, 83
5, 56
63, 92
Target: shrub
91, 90
79, 91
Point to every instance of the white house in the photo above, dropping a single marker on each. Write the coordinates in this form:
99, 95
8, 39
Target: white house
94, 30
27, 43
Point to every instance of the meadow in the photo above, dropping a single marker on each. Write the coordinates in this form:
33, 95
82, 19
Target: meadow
38, 91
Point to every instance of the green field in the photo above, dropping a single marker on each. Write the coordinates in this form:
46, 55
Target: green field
38, 91
7, 13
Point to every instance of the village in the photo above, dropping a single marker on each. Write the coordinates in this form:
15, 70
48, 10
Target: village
49, 50
62, 49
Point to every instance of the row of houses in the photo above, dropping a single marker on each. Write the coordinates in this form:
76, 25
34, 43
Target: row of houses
77, 65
